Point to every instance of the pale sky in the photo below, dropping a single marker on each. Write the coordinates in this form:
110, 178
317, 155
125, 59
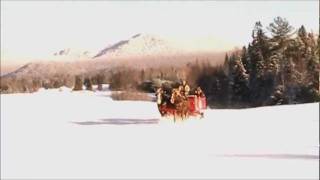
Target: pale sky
33, 29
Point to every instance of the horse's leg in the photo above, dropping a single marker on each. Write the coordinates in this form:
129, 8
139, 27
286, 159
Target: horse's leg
180, 112
186, 114
183, 115
186, 110
183, 112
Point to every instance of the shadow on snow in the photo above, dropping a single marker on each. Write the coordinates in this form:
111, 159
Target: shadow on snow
275, 156
118, 121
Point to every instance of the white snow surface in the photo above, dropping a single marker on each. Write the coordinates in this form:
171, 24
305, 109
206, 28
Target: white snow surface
58, 133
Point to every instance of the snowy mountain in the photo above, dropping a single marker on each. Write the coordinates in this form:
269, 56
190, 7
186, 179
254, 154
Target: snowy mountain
138, 45
142, 45
140, 50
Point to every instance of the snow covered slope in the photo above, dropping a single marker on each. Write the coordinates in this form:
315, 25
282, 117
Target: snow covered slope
146, 45
64, 134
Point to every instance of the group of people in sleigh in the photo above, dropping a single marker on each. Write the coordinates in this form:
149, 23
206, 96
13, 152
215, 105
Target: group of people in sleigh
177, 98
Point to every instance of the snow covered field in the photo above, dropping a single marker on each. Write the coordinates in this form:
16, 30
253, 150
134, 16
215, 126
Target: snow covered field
64, 134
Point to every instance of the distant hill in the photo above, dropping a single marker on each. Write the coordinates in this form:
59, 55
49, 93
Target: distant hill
139, 51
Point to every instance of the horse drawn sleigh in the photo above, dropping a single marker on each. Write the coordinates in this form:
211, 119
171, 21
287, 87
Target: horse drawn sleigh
180, 104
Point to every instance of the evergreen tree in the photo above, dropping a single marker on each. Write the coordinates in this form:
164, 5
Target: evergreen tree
272, 65
318, 46
226, 64
281, 33
278, 96
258, 64
302, 34
312, 76
258, 52
280, 30
239, 79
245, 59
297, 49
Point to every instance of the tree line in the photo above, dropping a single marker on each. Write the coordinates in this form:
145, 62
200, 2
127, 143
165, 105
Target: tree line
282, 68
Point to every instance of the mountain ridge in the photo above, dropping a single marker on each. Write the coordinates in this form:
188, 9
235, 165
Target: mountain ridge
140, 50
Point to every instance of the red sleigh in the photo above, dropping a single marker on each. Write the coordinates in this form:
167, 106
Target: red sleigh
196, 106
